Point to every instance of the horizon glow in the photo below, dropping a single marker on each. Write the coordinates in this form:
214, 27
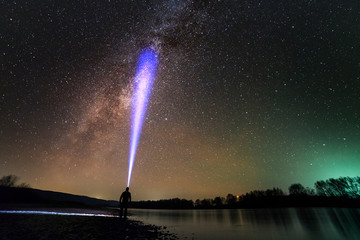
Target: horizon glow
144, 79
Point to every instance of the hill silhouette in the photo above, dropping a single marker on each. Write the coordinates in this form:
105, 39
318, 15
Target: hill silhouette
18, 195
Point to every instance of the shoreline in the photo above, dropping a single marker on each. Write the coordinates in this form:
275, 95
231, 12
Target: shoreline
26, 226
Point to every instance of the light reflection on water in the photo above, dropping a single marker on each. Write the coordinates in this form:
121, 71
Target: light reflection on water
282, 223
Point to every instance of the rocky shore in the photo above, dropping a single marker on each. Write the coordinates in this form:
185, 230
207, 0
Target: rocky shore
40, 226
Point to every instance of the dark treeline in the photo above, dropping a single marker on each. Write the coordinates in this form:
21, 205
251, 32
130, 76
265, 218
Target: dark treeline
11, 181
340, 192
174, 203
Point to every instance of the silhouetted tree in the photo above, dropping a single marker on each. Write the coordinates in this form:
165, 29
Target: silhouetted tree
197, 203
9, 181
297, 189
340, 187
23, 185
218, 201
353, 186
310, 191
230, 199
205, 203
321, 188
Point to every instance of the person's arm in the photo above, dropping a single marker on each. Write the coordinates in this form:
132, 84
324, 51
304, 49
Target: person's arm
129, 197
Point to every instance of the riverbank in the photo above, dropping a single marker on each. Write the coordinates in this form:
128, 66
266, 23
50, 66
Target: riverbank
47, 226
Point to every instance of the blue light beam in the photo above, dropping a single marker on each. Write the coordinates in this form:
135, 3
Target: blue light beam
144, 79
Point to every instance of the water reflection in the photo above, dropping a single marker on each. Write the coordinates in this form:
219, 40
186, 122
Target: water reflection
345, 221
309, 219
282, 223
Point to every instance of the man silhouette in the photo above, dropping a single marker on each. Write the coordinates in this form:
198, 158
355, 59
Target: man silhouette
125, 198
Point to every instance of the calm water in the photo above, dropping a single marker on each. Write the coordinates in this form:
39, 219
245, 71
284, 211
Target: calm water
285, 223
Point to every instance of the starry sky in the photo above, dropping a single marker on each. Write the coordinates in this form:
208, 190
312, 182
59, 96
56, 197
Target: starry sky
248, 95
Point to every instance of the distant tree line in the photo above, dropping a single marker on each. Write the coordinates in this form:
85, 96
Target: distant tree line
343, 191
11, 181
174, 203
340, 192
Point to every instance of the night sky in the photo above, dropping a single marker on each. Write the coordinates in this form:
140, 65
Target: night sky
248, 95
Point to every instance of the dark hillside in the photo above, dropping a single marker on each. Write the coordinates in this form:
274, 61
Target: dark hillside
15, 195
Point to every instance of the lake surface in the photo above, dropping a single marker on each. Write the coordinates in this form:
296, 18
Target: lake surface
283, 223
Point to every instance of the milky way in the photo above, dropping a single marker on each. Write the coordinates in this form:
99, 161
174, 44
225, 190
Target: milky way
248, 95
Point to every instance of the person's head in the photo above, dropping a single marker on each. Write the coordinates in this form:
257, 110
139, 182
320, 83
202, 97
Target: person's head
127, 189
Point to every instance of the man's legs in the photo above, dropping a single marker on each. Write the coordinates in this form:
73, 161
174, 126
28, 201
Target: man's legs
121, 211
125, 213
